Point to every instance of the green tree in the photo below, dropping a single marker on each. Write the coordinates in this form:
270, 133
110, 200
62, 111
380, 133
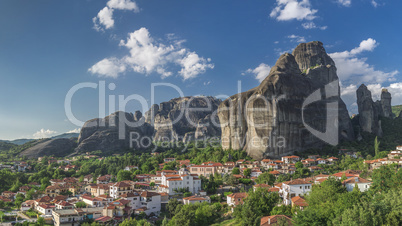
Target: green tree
40, 221
80, 204
299, 165
236, 170
257, 204
172, 206
247, 172
1, 216
265, 178
123, 175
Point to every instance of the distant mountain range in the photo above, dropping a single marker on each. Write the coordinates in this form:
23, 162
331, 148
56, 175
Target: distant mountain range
23, 141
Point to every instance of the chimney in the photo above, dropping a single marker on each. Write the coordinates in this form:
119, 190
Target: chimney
269, 220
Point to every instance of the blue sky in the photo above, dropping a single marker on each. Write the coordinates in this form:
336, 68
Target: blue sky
203, 47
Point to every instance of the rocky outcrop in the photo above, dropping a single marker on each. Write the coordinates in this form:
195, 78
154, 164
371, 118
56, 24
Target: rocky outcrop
57, 147
113, 132
180, 119
273, 119
370, 111
184, 119
385, 102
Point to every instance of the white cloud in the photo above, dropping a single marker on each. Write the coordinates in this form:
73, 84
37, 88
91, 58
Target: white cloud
346, 3
260, 72
123, 5
43, 134
296, 38
374, 3
312, 25
104, 19
293, 9
353, 69
77, 130
147, 56
109, 67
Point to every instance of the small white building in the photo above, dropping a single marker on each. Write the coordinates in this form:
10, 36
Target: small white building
45, 209
172, 183
150, 203
196, 199
361, 183
294, 188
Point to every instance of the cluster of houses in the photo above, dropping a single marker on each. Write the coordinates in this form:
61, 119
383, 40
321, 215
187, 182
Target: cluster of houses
110, 202
16, 166
394, 157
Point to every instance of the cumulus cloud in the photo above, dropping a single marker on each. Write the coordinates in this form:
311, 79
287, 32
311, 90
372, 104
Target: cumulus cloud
76, 130
146, 56
293, 9
354, 69
43, 133
104, 19
346, 3
260, 72
296, 38
312, 25
374, 3
109, 67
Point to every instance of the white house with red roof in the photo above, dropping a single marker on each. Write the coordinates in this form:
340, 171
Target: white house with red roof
293, 188
172, 183
290, 159
361, 183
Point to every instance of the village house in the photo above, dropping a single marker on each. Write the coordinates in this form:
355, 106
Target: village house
104, 179
63, 205
321, 161
294, 188
273, 220
119, 188
55, 190
290, 159
46, 209
73, 217
167, 160
184, 181
299, 201
129, 168
235, 199
332, 160
196, 199
207, 169
361, 183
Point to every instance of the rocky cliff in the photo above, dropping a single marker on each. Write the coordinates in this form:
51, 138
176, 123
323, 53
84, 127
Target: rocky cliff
273, 119
103, 134
185, 119
370, 111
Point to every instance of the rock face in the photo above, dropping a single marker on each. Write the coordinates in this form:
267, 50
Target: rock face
386, 104
58, 147
370, 111
185, 119
273, 119
103, 134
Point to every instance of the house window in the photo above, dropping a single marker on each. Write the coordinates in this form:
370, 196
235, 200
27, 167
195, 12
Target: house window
301, 187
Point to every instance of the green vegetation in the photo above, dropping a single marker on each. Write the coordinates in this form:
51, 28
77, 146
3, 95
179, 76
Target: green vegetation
396, 110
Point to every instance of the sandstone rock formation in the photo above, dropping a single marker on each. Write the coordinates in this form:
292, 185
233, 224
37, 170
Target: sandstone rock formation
58, 147
185, 119
112, 133
180, 119
370, 111
273, 119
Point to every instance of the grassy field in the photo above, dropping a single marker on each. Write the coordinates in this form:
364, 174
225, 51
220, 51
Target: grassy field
396, 110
